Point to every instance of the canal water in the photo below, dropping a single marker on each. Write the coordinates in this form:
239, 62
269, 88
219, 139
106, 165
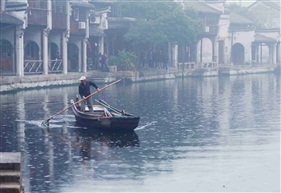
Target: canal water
195, 135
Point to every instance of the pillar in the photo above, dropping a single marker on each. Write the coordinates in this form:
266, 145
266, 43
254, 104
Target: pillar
45, 51
175, 55
261, 53
274, 53
65, 37
256, 54
215, 51
20, 52
201, 50
84, 55
278, 49
101, 45
170, 53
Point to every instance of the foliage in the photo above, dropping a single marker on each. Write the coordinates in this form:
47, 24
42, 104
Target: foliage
160, 22
124, 60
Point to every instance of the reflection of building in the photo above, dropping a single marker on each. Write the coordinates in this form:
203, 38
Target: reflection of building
47, 37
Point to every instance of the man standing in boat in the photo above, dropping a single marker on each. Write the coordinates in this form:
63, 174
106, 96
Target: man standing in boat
84, 91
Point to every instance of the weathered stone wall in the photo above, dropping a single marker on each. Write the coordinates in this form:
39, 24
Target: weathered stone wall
10, 83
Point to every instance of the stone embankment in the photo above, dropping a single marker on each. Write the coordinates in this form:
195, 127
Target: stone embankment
11, 83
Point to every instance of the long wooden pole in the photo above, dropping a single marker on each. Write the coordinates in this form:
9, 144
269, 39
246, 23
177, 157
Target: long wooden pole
46, 122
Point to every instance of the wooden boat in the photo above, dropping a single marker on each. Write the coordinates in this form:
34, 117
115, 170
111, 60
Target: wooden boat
105, 117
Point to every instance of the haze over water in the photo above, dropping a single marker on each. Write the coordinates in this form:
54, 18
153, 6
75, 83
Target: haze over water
195, 135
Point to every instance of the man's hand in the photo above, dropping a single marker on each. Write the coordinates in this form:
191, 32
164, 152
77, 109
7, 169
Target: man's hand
98, 89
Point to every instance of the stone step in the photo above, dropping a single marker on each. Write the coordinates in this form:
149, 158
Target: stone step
10, 176
10, 160
9, 166
10, 187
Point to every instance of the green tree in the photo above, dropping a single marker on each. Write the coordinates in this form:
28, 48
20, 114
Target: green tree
159, 22
124, 60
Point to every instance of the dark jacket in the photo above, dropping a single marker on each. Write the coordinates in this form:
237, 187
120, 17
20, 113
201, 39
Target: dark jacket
84, 89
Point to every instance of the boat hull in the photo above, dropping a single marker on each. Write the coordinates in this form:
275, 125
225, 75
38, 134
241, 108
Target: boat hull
97, 120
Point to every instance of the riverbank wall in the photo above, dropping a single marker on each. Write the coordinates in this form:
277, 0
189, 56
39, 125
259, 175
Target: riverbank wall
13, 83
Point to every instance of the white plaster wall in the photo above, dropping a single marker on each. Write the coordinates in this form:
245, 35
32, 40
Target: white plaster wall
223, 27
223, 34
245, 38
227, 50
206, 50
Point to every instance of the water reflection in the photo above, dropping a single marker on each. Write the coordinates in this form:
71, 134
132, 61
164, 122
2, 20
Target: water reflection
88, 138
191, 129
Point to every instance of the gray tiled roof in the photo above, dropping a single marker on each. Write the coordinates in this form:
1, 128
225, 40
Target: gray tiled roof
238, 19
83, 4
201, 7
262, 38
272, 4
8, 19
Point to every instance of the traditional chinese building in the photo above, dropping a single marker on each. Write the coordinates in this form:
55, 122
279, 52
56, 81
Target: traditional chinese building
231, 39
62, 37
48, 36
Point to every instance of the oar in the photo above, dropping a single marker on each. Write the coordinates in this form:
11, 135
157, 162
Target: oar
46, 122
107, 106
102, 102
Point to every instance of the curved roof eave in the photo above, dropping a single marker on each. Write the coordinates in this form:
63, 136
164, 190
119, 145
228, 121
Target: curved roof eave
201, 7
262, 38
8, 19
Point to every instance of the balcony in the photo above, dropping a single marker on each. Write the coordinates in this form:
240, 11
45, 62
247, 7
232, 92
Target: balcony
78, 27
37, 16
59, 21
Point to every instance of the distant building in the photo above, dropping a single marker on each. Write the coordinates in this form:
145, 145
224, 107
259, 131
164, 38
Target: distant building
61, 37
49, 37
267, 17
266, 13
231, 39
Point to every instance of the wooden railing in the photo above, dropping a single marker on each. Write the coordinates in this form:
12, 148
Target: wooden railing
208, 65
36, 66
33, 66
193, 65
186, 65
55, 66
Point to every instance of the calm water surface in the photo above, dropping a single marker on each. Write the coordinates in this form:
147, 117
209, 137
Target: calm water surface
195, 135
